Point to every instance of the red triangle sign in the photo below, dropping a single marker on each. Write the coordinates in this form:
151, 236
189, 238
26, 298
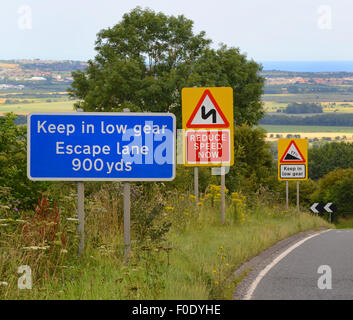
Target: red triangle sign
207, 114
292, 154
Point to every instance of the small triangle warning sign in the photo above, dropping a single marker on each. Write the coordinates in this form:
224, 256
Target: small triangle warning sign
292, 154
207, 114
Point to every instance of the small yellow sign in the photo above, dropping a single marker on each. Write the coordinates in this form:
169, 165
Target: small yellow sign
292, 159
207, 118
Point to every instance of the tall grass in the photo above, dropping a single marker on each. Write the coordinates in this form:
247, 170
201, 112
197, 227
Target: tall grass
193, 260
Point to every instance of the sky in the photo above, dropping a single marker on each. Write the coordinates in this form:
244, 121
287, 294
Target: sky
266, 30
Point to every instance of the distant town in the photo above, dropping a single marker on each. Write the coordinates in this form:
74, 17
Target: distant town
301, 80
25, 73
22, 74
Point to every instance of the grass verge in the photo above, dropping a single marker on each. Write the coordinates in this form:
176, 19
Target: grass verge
194, 260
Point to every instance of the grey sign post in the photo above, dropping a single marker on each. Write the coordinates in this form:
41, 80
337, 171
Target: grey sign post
222, 171
127, 205
81, 212
81, 215
196, 185
287, 196
298, 209
223, 200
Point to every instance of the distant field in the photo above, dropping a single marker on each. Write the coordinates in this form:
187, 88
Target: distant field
62, 106
309, 129
309, 97
273, 106
8, 65
310, 132
347, 107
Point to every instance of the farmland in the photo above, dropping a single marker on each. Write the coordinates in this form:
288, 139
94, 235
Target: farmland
309, 97
333, 91
307, 129
25, 108
328, 106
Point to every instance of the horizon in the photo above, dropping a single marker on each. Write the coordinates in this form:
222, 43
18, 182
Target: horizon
330, 66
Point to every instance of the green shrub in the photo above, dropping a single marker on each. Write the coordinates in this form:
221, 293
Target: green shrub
329, 157
184, 179
253, 161
337, 187
306, 191
13, 166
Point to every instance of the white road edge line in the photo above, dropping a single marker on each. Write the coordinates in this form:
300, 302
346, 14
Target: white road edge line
263, 272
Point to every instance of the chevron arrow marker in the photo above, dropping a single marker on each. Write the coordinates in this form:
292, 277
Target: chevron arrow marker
313, 208
327, 207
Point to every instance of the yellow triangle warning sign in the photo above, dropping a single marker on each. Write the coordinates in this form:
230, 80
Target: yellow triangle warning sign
207, 114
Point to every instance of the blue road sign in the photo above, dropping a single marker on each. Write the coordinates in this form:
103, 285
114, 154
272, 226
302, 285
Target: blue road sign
101, 146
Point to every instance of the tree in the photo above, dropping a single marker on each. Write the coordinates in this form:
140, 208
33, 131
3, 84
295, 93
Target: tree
143, 62
15, 187
297, 108
329, 157
228, 67
337, 187
254, 165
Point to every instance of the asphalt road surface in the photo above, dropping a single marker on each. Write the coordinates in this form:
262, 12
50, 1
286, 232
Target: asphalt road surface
300, 271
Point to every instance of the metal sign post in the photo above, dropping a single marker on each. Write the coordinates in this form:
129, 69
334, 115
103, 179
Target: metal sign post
223, 200
196, 185
81, 212
287, 196
81, 215
298, 196
127, 205
126, 221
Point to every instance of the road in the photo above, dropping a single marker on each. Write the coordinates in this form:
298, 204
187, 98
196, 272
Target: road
295, 275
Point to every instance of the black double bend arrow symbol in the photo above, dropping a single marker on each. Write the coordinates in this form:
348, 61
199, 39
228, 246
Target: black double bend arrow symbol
319, 207
212, 113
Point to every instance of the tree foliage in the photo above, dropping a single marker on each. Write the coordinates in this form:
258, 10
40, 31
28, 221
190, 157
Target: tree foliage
15, 187
329, 157
337, 187
306, 191
143, 62
254, 165
297, 108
